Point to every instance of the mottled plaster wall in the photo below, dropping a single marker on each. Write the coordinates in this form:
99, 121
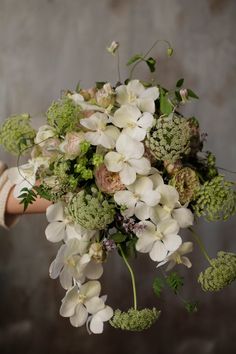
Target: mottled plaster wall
49, 45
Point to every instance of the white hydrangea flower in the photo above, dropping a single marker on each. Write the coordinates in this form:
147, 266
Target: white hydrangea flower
139, 198
133, 122
101, 133
70, 265
75, 301
24, 176
158, 240
178, 257
170, 207
61, 228
135, 93
128, 159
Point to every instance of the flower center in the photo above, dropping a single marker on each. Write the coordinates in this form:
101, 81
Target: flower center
166, 208
131, 97
159, 235
131, 124
81, 298
71, 262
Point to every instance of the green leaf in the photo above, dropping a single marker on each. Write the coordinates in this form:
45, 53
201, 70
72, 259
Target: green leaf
77, 89
175, 282
158, 285
151, 63
118, 237
191, 306
27, 197
134, 58
179, 83
165, 104
100, 84
192, 94
178, 97
170, 52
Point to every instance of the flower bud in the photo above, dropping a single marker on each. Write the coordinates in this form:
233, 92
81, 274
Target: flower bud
113, 47
97, 252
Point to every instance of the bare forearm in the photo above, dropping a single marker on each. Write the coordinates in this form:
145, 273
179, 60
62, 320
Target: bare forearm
13, 205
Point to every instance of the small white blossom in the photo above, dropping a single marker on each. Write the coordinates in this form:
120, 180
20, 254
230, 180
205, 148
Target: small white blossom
178, 257
101, 133
44, 133
113, 47
128, 159
158, 240
135, 93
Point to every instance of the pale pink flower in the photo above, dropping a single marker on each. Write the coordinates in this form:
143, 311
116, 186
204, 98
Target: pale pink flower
108, 182
71, 144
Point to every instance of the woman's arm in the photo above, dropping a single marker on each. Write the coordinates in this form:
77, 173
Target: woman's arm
13, 205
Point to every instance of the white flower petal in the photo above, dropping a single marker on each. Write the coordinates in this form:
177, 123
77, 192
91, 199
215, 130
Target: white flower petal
66, 278
141, 166
135, 87
144, 244
125, 198
183, 216
136, 133
105, 314
113, 161
55, 231
186, 262
129, 147
185, 248
158, 252
96, 325
151, 198
151, 92
127, 174
172, 242
146, 105
142, 211
122, 95
169, 226
158, 213
142, 185
69, 302
93, 270
90, 123
80, 316
146, 121
94, 305
156, 179
55, 212
126, 115
169, 195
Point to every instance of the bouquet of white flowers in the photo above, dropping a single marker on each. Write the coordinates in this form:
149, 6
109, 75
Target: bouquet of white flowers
126, 171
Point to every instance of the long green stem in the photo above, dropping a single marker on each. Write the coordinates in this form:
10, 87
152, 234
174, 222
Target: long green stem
201, 245
132, 276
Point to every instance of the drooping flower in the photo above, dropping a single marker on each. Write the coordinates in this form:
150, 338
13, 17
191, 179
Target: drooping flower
107, 181
135, 93
128, 159
97, 252
186, 183
135, 320
105, 96
70, 265
101, 133
133, 122
24, 176
139, 198
61, 226
113, 47
177, 257
158, 240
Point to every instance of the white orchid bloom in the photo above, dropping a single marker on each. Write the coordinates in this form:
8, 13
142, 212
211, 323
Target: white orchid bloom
44, 133
135, 93
158, 240
133, 122
139, 198
101, 133
75, 301
178, 257
128, 159
70, 265
100, 313
24, 176
171, 208
61, 228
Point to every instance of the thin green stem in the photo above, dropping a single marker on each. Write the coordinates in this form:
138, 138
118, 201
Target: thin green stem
118, 65
132, 276
201, 245
146, 54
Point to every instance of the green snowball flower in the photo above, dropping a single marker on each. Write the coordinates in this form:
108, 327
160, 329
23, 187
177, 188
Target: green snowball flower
16, 134
64, 115
169, 138
215, 200
91, 211
221, 273
135, 320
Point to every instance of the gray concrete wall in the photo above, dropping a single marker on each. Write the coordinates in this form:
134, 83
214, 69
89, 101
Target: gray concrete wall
49, 45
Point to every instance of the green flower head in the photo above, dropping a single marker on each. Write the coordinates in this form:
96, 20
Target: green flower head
169, 138
221, 273
135, 320
16, 134
64, 115
91, 211
215, 200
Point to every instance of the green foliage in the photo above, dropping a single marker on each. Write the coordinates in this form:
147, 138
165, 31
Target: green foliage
191, 306
151, 63
118, 237
27, 196
192, 94
170, 51
179, 83
175, 282
134, 59
165, 105
158, 285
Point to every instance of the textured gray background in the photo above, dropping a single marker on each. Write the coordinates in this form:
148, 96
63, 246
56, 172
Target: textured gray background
49, 45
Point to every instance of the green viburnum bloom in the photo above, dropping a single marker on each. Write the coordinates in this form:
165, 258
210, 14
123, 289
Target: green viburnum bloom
169, 138
91, 211
16, 134
64, 115
221, 273
187, 184
135, 320
61, 170
216, 200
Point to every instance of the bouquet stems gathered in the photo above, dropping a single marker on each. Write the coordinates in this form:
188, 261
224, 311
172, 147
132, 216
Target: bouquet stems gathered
125, 172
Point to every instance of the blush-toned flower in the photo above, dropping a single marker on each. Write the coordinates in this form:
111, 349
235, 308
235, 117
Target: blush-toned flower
71, 144
107, 181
